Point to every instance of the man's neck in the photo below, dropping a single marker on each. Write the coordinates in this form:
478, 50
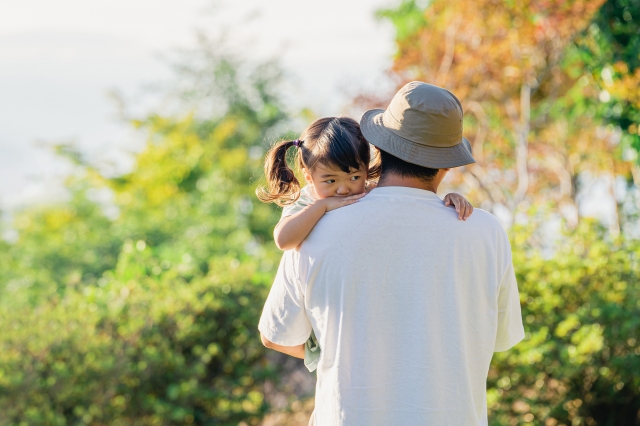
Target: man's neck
409, 182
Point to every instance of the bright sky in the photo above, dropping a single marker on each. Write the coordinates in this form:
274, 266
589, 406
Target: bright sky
59, 59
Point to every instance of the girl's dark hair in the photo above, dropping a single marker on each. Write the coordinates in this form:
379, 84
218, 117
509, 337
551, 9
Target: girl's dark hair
332, 142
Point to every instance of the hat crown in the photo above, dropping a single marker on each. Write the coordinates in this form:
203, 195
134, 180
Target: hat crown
425, 114
422, 125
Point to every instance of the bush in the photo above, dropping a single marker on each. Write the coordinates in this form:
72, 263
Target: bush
151, 351
579, 363
149, 318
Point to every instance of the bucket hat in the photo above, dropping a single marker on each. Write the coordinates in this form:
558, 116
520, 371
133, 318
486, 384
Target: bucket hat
422, 125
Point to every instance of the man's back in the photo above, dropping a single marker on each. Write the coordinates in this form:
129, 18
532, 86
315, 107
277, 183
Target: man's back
405, 301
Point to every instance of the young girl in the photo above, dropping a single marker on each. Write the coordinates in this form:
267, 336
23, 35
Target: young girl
335, 160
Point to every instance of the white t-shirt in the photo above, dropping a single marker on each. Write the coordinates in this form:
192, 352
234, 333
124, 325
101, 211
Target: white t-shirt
307, 197
408, 304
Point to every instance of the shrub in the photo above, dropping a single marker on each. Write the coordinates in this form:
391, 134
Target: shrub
580, 360
155, 350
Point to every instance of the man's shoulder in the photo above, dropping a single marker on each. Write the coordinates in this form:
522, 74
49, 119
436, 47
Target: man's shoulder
359, 217
482, 219
485, 218
359, 211
345, 215
346, 220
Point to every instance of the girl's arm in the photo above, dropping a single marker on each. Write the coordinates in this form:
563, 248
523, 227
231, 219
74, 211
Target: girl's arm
291, 231
462, 206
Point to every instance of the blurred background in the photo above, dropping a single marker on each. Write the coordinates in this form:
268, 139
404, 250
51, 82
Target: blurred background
135, 257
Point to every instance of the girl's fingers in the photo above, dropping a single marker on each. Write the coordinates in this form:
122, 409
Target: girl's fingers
354, 197
337, 202
462, 206
469, 209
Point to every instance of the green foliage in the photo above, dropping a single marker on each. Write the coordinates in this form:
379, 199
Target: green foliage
579, 363
609, 50
149, 318
407, 18
60, 246
149, 349
618, 25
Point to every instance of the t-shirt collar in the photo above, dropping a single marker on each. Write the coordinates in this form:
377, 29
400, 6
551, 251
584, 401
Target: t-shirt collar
403, 191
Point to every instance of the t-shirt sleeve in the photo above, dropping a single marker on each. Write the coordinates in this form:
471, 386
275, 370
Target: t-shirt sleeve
305, 199
510, 329
284, 319
294, 208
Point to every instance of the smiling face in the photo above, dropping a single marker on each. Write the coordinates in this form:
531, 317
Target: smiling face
332, 182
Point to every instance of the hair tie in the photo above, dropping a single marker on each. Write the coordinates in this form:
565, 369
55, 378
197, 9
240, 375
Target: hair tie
297, 143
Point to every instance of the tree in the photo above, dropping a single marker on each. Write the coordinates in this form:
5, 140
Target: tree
531, 112
609, 49
150, 317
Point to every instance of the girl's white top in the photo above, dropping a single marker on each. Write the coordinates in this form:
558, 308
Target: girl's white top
307, 197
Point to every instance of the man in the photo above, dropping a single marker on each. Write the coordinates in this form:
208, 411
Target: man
407, 302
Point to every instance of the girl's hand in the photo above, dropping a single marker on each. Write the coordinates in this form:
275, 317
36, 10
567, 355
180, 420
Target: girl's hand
333, 203
462, 206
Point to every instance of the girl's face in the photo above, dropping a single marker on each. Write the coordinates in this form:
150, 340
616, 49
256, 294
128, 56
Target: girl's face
329, 182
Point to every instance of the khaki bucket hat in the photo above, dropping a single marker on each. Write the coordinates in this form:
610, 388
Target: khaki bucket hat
422, 125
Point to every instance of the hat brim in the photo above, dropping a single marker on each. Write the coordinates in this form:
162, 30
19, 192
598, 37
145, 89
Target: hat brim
374, 130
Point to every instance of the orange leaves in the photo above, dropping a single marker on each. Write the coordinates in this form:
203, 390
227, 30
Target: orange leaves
471, 43
507, 62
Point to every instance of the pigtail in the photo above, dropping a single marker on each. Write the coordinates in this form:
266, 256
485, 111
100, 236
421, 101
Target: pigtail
282, 186
375, 165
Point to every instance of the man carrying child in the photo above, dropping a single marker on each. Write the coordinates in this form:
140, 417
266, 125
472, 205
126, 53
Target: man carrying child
407, 302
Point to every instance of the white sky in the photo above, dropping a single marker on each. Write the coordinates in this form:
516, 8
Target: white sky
59, 59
